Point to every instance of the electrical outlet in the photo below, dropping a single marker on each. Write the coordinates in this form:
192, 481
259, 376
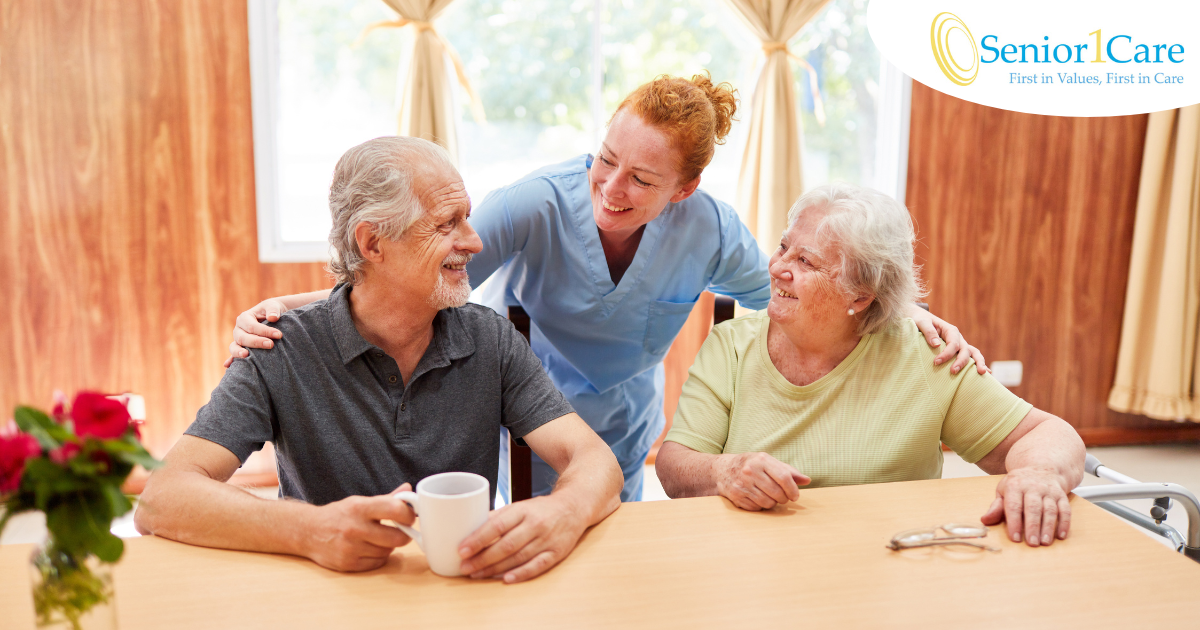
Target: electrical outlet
1009, 373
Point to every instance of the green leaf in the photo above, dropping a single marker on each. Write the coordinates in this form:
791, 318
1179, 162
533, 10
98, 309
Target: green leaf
27, 418
120, 446
80, 524
109, 548
142, 458
38, 425
117, 500
49, 481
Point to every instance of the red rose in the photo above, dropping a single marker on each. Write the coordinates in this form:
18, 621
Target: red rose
99, 416
14, 450
61, 454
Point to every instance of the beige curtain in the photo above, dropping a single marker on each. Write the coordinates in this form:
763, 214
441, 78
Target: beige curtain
427, 105
1157, 371
771, 177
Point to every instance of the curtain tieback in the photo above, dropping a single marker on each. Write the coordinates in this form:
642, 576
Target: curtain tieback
818, 104
460, 70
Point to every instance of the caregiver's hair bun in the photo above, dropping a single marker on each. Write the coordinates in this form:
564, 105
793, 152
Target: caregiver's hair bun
695, 113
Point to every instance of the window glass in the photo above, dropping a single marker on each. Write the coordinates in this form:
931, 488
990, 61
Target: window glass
530, 63
839, 117
334, 94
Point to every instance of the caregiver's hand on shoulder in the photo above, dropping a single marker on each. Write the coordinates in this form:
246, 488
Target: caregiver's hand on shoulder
1033, 502
937, 330
522, 540
249, 332
757, 481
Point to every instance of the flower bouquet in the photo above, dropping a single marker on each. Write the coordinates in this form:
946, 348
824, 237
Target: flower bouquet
70, 464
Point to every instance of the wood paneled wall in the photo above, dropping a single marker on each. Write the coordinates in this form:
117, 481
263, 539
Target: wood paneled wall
1025, 226
127, 216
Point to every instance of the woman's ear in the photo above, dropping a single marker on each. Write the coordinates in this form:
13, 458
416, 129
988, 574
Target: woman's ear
862, 303
368, 242
686, 191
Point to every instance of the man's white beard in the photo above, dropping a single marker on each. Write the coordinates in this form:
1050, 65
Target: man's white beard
448, 294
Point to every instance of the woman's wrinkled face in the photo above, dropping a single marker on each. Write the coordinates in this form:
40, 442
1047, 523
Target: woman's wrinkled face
634, 175
804, 274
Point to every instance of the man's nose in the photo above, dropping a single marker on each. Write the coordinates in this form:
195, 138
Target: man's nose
470, 240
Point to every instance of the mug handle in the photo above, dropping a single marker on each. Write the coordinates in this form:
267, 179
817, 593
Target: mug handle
410, 498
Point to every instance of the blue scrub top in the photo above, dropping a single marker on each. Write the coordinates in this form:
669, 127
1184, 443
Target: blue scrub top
603, 344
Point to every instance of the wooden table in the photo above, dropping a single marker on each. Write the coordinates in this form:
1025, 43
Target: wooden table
696, 563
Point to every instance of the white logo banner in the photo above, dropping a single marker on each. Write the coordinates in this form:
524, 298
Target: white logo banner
1054, 57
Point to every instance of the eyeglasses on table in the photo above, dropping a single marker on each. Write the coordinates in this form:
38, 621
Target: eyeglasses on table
948, 534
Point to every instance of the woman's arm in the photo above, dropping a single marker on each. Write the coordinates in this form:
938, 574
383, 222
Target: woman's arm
1042, 460
248, 332
937, 329
752, 481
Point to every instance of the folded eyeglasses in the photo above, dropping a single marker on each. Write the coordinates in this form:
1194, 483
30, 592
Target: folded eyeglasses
948, 534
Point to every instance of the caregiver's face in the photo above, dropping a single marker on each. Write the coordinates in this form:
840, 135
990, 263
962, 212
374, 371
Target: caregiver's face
634, 176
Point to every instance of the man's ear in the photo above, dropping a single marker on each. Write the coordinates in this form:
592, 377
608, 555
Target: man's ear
368, 242
686, 191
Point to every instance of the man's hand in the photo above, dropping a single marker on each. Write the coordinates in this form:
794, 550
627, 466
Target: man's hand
936, 330
757, 481
522, 540
347, 535
249, 332
1033, 503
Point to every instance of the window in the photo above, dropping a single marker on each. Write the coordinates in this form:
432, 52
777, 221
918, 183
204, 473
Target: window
548, 75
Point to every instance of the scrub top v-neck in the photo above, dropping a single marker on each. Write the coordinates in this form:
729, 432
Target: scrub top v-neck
603, 343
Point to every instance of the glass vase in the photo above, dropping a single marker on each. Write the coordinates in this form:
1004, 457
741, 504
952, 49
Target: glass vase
71, 592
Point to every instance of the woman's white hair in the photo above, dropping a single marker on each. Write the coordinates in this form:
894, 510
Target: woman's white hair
873, 236
373, 182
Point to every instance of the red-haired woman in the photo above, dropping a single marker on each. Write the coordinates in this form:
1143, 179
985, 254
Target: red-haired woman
608, 254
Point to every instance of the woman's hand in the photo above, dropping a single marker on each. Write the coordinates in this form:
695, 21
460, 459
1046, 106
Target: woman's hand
1033, 502
937, 329
757, 481
249, 333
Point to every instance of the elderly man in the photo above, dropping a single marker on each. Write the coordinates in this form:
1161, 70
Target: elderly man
391, 379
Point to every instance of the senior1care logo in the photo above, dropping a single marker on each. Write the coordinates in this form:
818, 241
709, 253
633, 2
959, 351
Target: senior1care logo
1055, 57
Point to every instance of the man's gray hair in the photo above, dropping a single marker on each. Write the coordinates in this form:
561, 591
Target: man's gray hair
874, 237
373, 182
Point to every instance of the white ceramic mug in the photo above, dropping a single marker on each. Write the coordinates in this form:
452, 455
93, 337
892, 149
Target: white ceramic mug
451, 506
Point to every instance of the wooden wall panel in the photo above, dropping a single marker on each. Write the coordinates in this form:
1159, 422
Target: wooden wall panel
1025, 225
127, 238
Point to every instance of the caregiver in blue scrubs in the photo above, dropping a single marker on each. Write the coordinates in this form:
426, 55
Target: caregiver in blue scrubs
608, 254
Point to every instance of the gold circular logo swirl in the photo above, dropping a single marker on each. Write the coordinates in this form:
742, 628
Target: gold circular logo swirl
943, 25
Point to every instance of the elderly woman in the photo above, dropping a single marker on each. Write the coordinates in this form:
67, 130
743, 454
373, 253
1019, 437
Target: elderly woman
833, 385
608, 254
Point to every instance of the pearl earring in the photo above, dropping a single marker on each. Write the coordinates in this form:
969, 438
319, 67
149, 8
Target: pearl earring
850, 312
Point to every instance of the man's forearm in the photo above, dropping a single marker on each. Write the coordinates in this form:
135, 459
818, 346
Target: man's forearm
1051, 445
686, 473
592, 484
192, 508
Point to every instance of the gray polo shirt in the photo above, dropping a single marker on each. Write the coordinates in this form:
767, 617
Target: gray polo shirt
343, 421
